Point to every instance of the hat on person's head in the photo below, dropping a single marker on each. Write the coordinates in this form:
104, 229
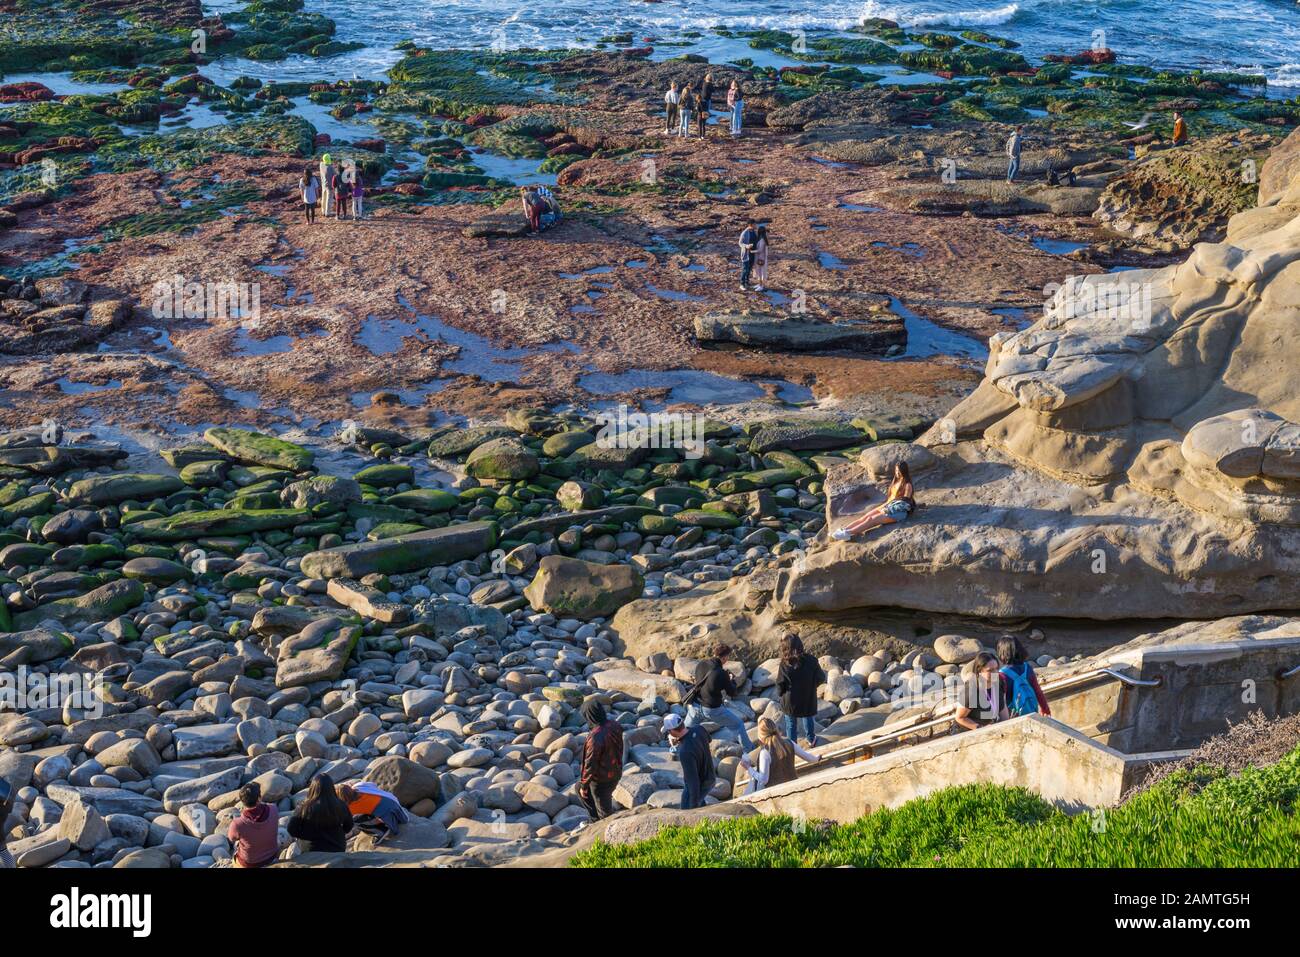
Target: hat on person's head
672, 722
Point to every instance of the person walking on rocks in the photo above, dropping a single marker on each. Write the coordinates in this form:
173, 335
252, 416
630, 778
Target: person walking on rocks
309, 189
748, 247
691, 744
983, 695
736, 103
255, 833
322, 821
1024, 693
373, 809
327, 185
670, 108
684, 103
797, 680
602, 760
707, 701
1013, 153
6, 808
776, 754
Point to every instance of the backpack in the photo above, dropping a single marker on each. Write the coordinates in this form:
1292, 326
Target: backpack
1023, 699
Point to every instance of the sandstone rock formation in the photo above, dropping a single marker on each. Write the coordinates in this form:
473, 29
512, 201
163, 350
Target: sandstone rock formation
1135, 453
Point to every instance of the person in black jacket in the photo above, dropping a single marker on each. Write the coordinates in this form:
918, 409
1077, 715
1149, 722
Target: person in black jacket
692, 747
322, 821
707, 700
797, 680
602, 760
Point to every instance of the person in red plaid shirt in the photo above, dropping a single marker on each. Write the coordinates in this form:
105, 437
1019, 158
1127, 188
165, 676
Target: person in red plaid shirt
602, 761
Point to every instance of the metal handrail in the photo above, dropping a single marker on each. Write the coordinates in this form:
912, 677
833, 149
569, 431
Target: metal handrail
947, 718
1283, 675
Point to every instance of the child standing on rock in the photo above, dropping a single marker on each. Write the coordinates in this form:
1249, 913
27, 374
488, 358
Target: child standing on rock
309, 189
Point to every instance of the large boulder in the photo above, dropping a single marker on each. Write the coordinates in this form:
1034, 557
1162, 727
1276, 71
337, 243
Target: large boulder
319, 652
1135, 453
572, 588
254, 448
98, 605
795, 333
406, 780
504, 459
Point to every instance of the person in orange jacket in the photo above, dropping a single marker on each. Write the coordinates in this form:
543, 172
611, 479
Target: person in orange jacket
374, 809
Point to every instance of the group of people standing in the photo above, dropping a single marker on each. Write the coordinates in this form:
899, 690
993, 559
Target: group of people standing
338, 190
687, 103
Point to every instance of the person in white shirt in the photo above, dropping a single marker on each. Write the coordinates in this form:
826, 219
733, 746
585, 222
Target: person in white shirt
670, 105
776, 754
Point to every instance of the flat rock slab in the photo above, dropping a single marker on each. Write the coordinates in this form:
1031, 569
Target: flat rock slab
366, 601
403, 553
104, 800
799, 334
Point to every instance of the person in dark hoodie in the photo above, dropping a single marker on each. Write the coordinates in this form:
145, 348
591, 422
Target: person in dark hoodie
797, 680
708, 699
255, 833
322, 821
602, 760
692, 748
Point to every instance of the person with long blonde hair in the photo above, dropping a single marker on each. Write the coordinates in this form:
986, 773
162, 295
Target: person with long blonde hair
776, 754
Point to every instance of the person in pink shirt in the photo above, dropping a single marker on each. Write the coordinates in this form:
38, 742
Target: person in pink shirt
255, 833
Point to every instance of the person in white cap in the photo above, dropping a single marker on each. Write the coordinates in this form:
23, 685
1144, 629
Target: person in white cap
692, 747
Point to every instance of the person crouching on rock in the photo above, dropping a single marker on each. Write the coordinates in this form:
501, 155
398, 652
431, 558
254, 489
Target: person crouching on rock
707, 700
692, 748
374, 810
532, 208
899, 504
602, 760
322, 821
309, 189
256, 832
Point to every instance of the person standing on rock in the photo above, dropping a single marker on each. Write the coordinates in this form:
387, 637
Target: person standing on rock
899, 503
373, 809
684, 104
670, 108
1013, 153
322, 821
1024, 693
983, 695
6, 808
358, 198
776, 754
309, 189
707, 701
1180, 129
736, 103
342, 193
602, 761
760, 257
748, 247
327, 185
255, 833
691, 745
702, 100
797, 680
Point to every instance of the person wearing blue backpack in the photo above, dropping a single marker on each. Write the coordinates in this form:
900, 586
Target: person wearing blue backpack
1024, 694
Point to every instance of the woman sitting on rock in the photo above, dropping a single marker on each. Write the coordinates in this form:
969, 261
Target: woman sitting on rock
322, 821
897, 506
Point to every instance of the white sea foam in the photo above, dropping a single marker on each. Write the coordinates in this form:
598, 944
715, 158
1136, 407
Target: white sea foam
908, 16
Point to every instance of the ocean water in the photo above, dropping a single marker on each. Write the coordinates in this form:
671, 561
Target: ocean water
1261, 36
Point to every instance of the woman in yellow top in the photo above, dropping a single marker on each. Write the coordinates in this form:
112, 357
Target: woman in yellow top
896, 507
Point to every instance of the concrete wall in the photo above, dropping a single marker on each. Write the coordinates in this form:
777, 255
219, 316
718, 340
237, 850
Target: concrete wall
1035, 752
1205, 687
